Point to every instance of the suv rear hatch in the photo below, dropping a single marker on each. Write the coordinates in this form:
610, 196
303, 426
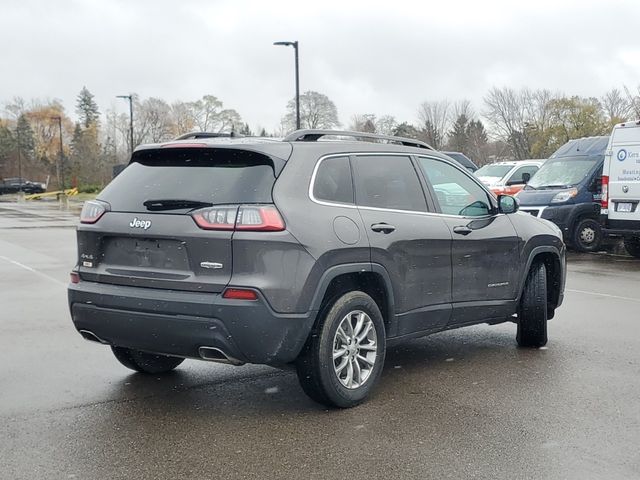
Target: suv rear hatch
148, 235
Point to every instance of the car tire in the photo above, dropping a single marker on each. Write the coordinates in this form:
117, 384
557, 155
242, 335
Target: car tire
343, 358
145, 362
587, 235
632, 245
532, 313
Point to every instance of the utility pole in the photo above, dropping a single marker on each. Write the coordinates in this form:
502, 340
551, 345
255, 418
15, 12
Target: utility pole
295, 48
19, 159
61, 167
130, 98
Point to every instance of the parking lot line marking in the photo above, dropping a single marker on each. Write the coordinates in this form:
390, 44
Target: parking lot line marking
604, 295
33, 270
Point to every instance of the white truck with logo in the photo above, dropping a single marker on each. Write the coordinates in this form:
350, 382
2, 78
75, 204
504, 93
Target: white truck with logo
620, 212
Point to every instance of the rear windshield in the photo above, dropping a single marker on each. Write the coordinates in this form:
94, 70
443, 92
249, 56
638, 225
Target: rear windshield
563, 172
216, 176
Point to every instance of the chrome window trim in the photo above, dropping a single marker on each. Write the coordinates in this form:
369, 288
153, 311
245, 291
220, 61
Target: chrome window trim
393, 210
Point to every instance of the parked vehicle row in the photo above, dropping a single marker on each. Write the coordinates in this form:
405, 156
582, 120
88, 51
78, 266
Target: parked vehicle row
590, 188
15, 185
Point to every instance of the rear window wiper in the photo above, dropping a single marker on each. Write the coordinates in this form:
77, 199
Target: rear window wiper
174, 204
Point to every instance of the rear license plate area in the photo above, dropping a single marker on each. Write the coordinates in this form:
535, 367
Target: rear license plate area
624, 207
145, 253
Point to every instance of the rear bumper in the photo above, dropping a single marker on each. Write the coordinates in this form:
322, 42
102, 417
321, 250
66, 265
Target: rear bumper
624, 228
179, 323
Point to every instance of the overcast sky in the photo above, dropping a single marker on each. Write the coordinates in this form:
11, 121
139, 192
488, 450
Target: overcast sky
368, 57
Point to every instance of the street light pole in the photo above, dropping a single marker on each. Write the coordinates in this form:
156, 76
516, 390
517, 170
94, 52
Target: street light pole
295, 48
61, 167
19, 159
130, 98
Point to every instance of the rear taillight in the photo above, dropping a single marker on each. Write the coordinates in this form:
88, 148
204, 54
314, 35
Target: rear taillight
74, 277
92, 211
604, 200
260, 218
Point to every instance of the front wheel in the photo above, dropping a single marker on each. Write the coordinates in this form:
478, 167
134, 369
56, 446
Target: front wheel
587, 235
532, 314
145, 362
632, 245
342, 360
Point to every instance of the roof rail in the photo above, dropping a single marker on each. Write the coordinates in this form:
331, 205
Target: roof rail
313, 135
196, 135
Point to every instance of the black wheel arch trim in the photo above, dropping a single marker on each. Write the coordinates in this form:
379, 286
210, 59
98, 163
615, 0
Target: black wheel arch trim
333, 272
532, 255
583, 210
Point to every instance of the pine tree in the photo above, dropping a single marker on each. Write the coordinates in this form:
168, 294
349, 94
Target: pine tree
458, 136
246, 130
87, 108
25, 136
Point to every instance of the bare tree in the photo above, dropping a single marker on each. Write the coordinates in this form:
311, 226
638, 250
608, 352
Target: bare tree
386, 124
506, 111
434, 120
634, 102
615, 105
316, 111
183, 118
364, 123
460, 108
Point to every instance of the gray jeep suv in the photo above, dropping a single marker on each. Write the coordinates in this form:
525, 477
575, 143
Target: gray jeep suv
308, 251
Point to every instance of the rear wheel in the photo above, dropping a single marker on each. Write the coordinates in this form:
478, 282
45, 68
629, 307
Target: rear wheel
342, 361
532, 315
145, 362
632, 244
587, 235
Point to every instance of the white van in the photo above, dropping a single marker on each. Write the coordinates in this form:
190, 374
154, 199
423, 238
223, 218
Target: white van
620, 211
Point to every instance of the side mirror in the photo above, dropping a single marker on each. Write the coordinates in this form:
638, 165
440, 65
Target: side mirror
526, 176
507, 204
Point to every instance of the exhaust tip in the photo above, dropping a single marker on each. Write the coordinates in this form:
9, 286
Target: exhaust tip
214, 354
92, 337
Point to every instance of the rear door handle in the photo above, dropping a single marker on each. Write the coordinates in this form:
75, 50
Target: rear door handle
462, 230
382, 227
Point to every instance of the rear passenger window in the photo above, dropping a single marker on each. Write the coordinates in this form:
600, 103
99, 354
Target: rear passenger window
333, 181
388, 182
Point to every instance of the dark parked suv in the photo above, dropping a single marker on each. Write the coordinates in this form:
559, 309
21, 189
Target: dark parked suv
307, 251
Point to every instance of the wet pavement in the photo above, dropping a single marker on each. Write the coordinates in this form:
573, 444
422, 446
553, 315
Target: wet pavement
460, 404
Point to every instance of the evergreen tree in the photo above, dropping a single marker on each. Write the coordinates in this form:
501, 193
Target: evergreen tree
458, 136
87, 108
405, 130
477, 141
25, 137
246, 130
7, 146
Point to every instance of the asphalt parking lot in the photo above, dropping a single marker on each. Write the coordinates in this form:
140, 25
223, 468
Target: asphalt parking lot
460, 404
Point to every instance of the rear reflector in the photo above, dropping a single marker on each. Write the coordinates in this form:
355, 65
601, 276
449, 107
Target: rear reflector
239, 294
75, 278
257, 218
604, 200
